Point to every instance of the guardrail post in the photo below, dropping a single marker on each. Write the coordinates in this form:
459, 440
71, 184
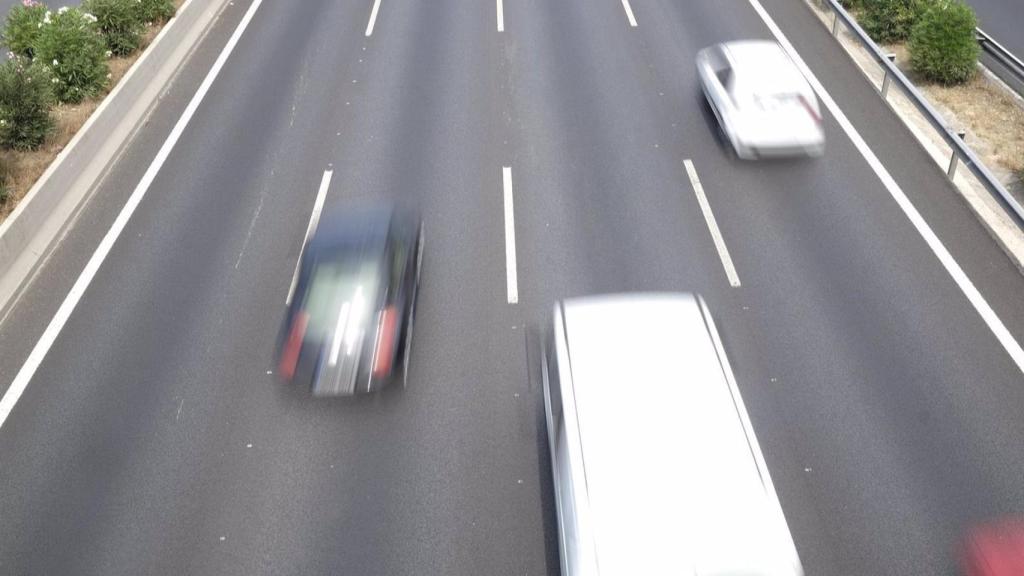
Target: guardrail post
954, 159
886, 79
835, 22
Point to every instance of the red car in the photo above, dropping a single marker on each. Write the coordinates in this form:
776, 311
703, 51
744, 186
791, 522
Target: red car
995, 549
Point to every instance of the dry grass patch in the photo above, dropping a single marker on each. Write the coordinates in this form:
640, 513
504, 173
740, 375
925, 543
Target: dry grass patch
992, 118
24, 168
989, 112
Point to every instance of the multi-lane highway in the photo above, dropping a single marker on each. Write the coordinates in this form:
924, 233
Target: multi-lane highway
153, 438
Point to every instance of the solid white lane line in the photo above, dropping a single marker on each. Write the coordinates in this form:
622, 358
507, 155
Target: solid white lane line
53, 329
510, 236
314, 219
629, 13
501, 17
709, 217
373, 17
989, 316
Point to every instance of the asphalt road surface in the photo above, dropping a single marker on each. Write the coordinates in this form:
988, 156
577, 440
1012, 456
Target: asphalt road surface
153, 438
1004, 21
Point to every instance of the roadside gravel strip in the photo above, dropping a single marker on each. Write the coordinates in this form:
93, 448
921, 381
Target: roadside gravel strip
33, 230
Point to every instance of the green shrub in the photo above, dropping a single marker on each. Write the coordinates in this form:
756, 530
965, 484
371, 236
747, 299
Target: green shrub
119, 22
24, 23
72, 45
155, 10
852, 4
942, 45
891, 20
26, 102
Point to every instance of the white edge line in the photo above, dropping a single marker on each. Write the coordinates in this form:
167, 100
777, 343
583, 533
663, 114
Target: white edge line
709, 217
510, 236
501, 17
988, 315
314, 219
53, 329
755, 446
629, 13
8, 222
373, 18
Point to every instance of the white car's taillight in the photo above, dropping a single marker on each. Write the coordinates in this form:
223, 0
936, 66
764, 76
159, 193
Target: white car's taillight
810, 109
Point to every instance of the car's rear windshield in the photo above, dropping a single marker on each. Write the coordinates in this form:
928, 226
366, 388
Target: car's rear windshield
338, 283
776, 100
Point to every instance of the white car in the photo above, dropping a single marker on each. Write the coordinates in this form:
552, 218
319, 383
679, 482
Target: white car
763, 104
655, 464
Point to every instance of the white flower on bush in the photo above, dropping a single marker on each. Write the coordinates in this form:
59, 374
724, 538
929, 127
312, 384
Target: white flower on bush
109, 53
62, 10
109, 75
55, 63
89, 17
46, 17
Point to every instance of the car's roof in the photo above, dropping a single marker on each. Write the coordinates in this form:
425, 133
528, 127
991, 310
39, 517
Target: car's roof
755, 53
671, 482
763, 66
353, 225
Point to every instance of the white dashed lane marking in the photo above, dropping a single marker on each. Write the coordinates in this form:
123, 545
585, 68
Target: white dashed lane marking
709, 217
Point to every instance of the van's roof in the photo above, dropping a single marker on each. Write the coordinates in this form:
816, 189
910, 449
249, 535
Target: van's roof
671, 479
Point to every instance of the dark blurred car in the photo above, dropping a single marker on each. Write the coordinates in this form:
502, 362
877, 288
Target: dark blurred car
348, 328
995, 549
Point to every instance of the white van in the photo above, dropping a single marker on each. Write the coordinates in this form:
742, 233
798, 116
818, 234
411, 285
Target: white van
656, 467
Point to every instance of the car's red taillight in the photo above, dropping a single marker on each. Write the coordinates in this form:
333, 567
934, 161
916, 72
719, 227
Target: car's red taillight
386, 334
292, 347
810, 109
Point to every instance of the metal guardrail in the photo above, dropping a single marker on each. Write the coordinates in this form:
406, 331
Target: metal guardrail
961, 153
1004, 57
